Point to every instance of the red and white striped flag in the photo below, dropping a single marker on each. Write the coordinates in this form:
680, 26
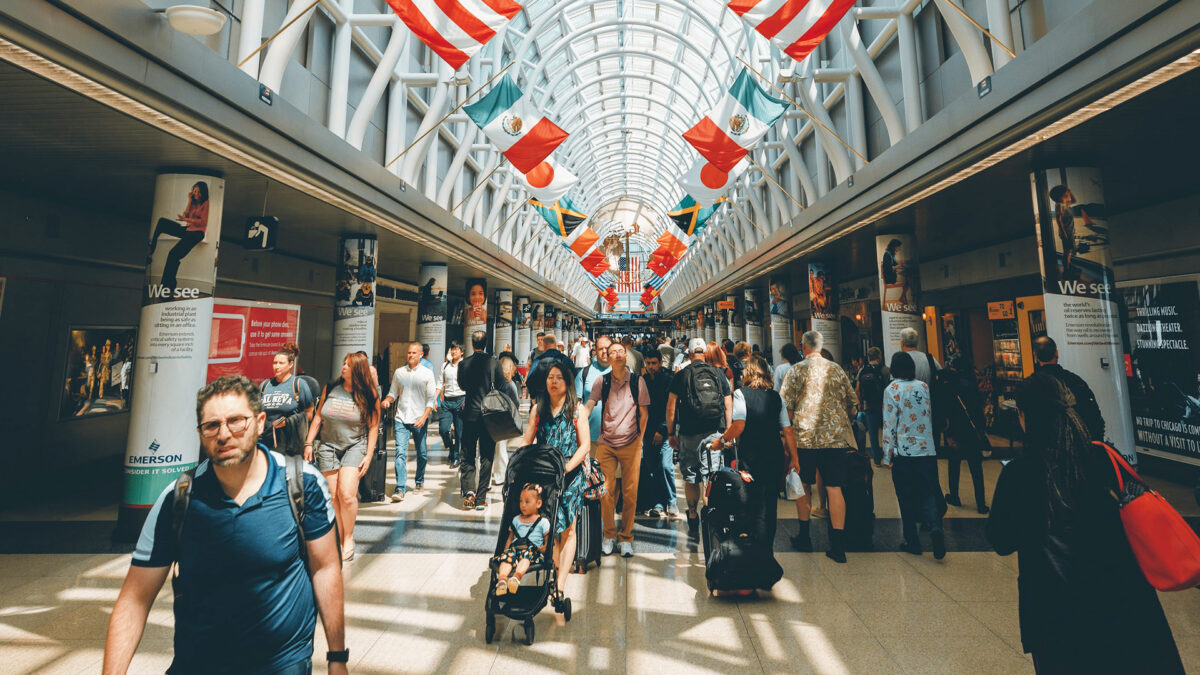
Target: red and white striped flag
796, 26
631, 281
455, 29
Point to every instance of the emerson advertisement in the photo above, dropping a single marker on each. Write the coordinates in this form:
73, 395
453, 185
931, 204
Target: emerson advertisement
1162, 319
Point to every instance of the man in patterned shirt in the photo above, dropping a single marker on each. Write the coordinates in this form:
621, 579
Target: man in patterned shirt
820, 400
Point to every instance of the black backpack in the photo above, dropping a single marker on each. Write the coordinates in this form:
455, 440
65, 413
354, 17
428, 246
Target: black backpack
943, 389
870, 381
704, 400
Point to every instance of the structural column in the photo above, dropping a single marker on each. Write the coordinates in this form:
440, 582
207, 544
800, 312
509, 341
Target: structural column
475, 314
524, 329
431, 312
823, 305
752, 307
1080, 293
899, 283
173, 339
710, 328
504, 321
781, 316
734, 317
354, 299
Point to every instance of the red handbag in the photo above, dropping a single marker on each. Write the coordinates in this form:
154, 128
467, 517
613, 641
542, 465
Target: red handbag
1166, 547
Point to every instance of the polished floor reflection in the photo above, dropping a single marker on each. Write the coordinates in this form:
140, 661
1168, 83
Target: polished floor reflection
414, 600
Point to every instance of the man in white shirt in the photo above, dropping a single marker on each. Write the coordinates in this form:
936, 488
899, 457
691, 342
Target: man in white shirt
927, 366
581, 355
415, 393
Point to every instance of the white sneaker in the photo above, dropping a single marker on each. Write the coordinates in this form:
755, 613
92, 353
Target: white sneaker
397, 496
606, 547
626, 549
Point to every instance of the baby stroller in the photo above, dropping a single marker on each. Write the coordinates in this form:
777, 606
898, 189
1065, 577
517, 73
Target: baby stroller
543, 465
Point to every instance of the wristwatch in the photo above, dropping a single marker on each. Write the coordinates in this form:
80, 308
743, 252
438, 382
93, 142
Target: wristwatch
338, 657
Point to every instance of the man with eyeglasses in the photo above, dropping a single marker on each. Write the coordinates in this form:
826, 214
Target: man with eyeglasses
246, 597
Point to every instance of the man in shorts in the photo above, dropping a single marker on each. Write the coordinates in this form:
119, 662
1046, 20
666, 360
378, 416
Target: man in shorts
689, 424
821, 402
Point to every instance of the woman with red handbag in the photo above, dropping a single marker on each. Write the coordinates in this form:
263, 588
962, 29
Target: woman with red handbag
1085, 605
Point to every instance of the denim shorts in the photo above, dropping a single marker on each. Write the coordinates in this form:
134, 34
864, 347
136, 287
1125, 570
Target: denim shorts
331, 458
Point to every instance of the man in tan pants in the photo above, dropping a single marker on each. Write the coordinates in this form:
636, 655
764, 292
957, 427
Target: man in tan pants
625, 412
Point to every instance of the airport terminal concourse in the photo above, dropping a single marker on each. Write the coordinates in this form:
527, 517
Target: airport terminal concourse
621, 336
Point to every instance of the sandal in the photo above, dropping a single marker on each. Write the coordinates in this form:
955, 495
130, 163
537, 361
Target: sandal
502, 587
513, 584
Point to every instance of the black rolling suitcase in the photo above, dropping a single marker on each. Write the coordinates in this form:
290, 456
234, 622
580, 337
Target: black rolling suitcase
859, 493
589, 530
373, 486
734, 557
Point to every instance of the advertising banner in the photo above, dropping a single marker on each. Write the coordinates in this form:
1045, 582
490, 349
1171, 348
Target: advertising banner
823, 306
753, 307
245, 336
550, 320
1081, 310
173, 338
504, 321
899, 283
710, 326
781, 316
1163, 321
735, 318
431, 312
354, 300
524, 320
722, 320
475, 314
539, 323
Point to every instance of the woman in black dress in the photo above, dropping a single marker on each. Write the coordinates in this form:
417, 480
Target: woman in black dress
1085, 606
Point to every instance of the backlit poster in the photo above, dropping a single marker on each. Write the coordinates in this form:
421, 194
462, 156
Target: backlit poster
245, 336
504, 324
475, 313
1163, 324
753, 309
431, 312
524, 320
354, 300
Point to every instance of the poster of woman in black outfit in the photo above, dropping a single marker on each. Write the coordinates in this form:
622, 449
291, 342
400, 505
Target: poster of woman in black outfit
189, 227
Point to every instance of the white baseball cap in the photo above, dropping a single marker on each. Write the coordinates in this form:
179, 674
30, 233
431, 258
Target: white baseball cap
697, 346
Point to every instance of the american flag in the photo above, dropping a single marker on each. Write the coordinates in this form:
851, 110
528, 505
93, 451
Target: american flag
455, 29
630, 281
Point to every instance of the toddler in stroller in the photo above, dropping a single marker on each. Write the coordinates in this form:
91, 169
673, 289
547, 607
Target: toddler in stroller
526, 541
533, 486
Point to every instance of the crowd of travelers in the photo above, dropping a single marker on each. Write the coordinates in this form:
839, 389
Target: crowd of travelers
254, 538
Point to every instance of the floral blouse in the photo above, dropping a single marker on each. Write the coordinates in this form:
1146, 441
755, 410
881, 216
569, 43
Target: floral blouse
907, 421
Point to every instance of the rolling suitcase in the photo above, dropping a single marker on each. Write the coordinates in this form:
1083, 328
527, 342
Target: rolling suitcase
859, 493
589, 529
373, 486
734, 557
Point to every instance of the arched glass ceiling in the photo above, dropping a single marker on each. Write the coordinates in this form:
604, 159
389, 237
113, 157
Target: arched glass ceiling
626, 78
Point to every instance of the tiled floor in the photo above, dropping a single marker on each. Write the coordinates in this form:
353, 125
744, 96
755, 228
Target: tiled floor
414, 601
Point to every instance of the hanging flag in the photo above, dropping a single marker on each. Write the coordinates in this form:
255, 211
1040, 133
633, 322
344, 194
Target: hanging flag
595, 263
668, 242
660, 266
548, 181
795, 27
455, 29
741, 118
690, 217
561, 216
655, 282
706, 183
515, 127
629, 281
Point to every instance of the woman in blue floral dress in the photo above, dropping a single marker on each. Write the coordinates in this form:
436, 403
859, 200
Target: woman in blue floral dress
908, 450
559, 421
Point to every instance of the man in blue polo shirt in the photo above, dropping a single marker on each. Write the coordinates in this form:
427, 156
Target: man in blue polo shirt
244, 600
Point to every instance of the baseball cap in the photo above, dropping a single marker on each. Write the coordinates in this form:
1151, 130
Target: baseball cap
697, 345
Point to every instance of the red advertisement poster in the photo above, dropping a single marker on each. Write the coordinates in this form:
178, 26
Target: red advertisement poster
246, 335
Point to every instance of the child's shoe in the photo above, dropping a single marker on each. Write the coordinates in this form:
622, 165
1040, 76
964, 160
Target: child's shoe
514, 583
502, 586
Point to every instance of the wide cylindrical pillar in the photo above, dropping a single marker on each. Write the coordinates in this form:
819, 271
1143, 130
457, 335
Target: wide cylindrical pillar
899, 283
538, 325
781, 316
752, 309
503, 340
523, 332
735, 321
1080, 293
475, 315
173, 340
431, 312
710, 326
823, 305
354, 299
